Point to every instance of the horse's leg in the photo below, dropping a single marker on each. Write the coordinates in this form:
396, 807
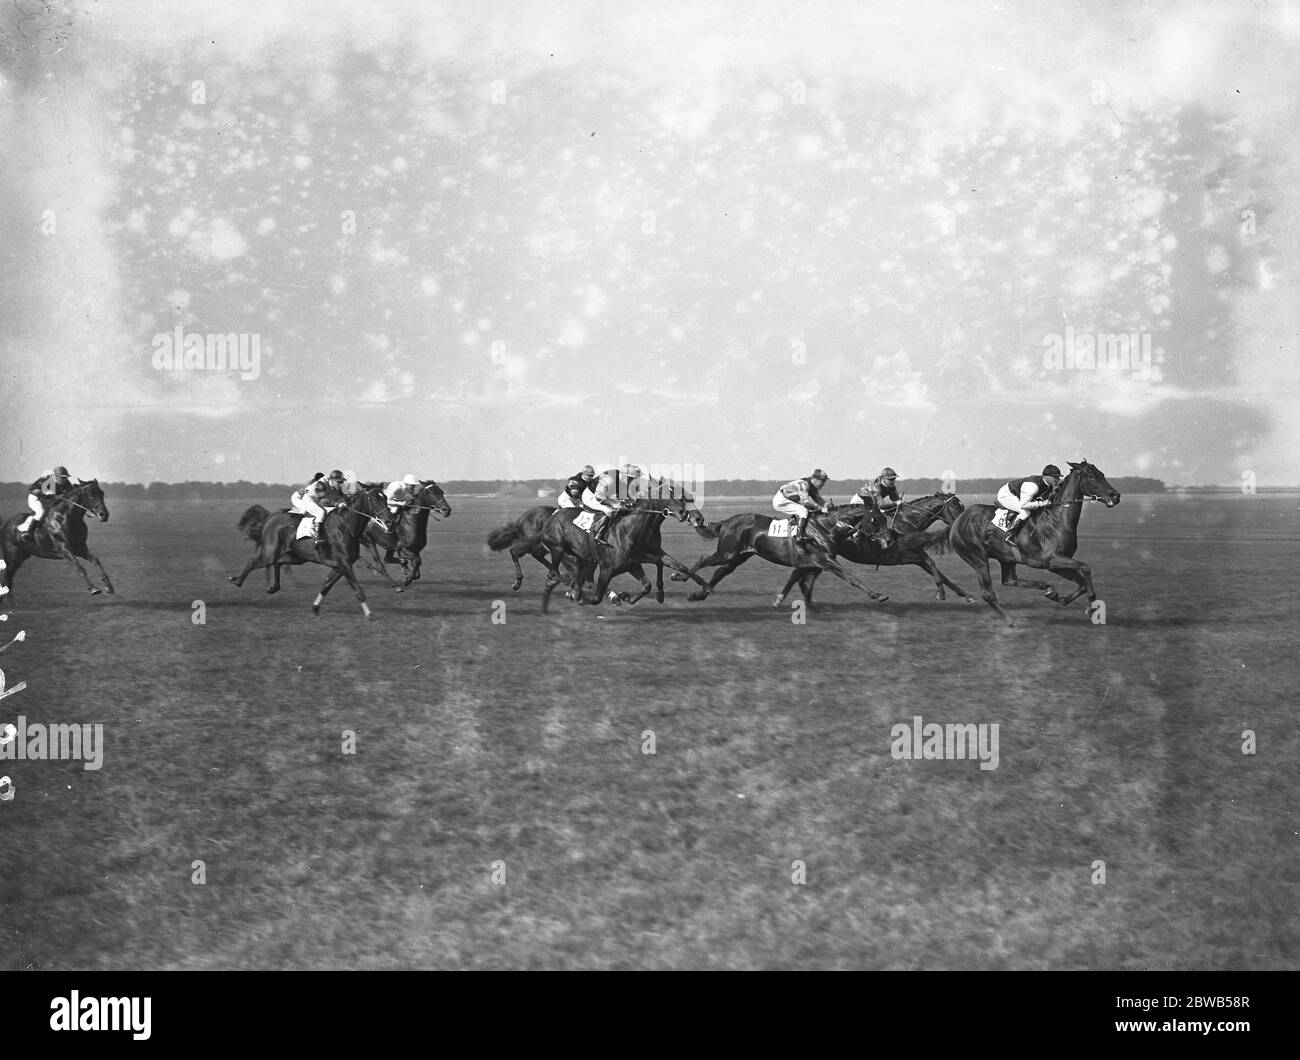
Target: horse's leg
638, 572
356, 588
927, 564
66, 553
659, 582
796, 577
723, 570
1076, 571
85, 553
660, 556
379, 568
334, 575
806, 584
839, 572
556, 554
1010, 580
978, 561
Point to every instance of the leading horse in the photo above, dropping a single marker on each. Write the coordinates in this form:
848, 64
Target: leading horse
61, 534
1046, 541
274, 536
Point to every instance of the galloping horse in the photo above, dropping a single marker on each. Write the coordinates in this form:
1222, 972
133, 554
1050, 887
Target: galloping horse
748, 534
908, 547
273, 534
523, 537
1046, 541
61, 534
636, 536
410, 533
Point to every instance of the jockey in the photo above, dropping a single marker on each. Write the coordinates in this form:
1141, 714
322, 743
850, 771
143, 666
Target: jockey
1021, 495
799, 498
49, 485
336, 489
571, 495
402, 493
613, 492
351, 487
309, 501
881, 490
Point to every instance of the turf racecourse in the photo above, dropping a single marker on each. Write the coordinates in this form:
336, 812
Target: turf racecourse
521, 744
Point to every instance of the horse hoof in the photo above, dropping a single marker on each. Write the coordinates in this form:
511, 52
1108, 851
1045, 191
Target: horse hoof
95, 592
515, 587
697, 596
272, 590
677, 577
233, 580
398, 589
880, 598
1052, 594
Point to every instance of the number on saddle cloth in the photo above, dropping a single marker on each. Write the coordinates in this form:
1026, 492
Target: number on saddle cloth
584, 521
780, 527
1002, 518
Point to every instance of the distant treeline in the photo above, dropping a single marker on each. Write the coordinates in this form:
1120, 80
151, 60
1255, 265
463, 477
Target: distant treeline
840, 489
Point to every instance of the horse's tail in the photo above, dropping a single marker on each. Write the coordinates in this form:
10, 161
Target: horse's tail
504, 536
251, 522
935, 539
709, 531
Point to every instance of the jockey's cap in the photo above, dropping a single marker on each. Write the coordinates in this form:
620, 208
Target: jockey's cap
818, 473
61, 471
336, 473
1051, 469
318, 476
632, 471
588, 470
410, 480
888, 473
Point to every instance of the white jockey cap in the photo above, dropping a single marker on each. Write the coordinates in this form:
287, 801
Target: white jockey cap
410, 480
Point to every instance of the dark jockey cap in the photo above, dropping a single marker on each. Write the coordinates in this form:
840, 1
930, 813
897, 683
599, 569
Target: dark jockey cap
336, 473
818, 473
588, 471
318, 476
61, 472
889, 472
1051, 469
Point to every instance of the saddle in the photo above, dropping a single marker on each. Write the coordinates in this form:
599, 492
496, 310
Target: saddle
1002, 518
584, 520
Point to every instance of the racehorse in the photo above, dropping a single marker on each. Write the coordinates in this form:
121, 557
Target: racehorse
1048, 540
906, 521
61, 534
273, 534
635, 536
748, 534
523, 537
410, 533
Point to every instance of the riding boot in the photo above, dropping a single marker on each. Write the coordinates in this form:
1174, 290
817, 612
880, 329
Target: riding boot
322, 547
598, 530
1015, 529
801, 532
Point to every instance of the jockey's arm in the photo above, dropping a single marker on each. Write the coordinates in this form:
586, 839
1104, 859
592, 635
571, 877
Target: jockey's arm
1028, 495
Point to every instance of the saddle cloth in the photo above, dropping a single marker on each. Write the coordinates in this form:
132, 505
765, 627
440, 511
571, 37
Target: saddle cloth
780, 527
305, 528
1002, 518
584, 521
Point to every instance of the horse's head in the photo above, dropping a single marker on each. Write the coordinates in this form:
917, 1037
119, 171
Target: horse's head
431, 496
90, 497
951, 508
1091, 483
681, 506
370, 501
864, 520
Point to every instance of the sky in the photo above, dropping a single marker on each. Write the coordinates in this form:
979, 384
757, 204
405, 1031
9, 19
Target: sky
502, 240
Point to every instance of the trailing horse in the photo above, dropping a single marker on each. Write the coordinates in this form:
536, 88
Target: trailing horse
1046, 541
906, 545
274, 536
634, 536
410, 533
61, 534
750, 534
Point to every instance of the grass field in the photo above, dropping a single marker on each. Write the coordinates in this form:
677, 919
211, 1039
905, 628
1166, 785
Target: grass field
521, 743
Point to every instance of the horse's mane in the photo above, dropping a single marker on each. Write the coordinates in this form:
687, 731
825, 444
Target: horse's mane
658, 489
